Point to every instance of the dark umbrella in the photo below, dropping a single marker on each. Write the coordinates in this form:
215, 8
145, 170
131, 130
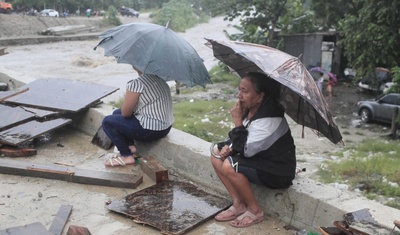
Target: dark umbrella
154, 49
300, 96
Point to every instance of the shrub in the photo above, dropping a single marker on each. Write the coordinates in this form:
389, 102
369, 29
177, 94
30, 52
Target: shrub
179, 14
111, 16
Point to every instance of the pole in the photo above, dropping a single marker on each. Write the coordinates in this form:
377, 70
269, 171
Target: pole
395, 124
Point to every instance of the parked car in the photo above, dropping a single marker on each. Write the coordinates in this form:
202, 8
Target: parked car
49, 12
379, 109
128, 12
379, 83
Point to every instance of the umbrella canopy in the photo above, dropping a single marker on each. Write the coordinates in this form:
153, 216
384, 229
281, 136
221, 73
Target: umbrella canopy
300, 96
154, 49
322, 70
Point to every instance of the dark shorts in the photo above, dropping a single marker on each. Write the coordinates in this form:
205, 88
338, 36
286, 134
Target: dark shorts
262, 178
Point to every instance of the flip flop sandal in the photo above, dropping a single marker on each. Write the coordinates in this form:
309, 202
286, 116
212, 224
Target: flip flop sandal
222, 217
118, 159
253, 217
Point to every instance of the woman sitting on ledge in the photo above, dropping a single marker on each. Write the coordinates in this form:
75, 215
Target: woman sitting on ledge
260, 150
146, 115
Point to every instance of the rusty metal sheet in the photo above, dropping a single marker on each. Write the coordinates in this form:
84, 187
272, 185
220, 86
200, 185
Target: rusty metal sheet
61, 94
27, 131
12, 116
170, 206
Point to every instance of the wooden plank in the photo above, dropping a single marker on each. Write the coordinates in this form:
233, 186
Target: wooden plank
101, 139
78, 230
331, 231
14, 94
61, 94
11, 116
60, 220
70, 174
31, 229
40, 113
20, 134
152, 168
9, 151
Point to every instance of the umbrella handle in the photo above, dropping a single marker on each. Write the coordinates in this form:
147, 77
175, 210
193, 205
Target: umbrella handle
102, 41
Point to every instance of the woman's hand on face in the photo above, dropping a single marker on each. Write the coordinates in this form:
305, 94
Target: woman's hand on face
237, 113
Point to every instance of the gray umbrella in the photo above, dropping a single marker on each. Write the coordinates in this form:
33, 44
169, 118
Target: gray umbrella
154, 49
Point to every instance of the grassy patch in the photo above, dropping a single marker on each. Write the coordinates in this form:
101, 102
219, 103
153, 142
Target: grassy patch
220, 74
373, 167
208, 120
346, 132
190, 90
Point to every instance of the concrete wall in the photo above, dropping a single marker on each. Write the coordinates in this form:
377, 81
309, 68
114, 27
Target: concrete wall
306, 205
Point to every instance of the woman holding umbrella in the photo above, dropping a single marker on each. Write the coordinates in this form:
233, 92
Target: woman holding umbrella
145, 115
260, 149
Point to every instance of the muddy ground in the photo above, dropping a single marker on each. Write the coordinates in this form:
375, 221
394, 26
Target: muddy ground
20, 200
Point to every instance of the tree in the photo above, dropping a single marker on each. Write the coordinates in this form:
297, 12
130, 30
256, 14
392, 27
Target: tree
262, 13
371, 37
179, 14
298, 19
329, 13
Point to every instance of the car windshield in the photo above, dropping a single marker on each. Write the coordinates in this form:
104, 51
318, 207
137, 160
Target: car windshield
379, 97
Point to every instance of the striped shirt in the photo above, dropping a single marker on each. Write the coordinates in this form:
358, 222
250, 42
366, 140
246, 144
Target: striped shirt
154, 108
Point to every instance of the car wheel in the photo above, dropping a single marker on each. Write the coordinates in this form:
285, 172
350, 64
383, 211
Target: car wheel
365, 115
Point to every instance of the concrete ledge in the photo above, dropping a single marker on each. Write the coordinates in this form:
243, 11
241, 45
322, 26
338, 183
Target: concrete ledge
306, 205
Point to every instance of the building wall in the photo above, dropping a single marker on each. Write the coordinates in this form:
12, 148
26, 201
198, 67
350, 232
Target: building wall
309, 47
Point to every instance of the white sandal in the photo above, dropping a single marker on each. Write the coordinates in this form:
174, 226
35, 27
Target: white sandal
117, 159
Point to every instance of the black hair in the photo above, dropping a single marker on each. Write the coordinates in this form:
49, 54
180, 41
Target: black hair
264, 83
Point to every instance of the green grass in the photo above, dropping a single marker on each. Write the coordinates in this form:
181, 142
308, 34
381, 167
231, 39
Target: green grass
220, 74
208, 120
373, 166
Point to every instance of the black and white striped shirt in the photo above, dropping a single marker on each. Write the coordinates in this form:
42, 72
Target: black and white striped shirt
154, 108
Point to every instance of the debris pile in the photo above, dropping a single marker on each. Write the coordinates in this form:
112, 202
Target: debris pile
359, 222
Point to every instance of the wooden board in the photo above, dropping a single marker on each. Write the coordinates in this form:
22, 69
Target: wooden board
78, 230
170, 206
153, 169
331, 231
30, 229
70, 174
61, 94
20, 134
60, 220
40, 113
11, 116
8, 151
101, 139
